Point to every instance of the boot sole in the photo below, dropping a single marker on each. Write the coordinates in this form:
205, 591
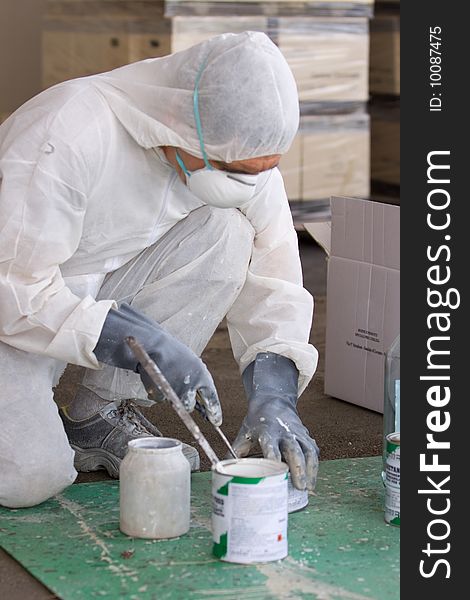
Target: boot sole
94, 459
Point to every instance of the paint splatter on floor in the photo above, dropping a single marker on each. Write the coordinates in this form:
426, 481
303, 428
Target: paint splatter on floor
340, 548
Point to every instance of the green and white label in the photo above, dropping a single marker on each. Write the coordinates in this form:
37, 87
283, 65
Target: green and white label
249, 518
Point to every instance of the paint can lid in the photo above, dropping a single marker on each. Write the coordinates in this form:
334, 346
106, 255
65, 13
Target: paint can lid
393, 438
250, 467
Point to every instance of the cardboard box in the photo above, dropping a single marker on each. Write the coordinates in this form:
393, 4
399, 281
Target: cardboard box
384, 75
363, 298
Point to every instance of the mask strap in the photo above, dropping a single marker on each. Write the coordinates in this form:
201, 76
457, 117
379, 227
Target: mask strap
197, 117
179, 160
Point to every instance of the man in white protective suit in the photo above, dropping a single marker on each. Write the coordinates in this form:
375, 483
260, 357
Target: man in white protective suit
146, 201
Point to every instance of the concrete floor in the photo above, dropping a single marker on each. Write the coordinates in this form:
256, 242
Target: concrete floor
341, 430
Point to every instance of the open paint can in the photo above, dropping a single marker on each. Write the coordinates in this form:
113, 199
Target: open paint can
249, 510
296, 499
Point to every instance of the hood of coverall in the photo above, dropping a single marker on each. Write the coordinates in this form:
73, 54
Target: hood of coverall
248, 101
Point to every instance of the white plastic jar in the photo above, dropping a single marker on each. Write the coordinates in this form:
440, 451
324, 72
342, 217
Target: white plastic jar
155, 485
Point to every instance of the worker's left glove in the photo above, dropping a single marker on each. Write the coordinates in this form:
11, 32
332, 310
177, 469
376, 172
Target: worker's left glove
271, 383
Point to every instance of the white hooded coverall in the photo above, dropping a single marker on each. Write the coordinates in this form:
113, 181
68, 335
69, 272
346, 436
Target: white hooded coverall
85, 192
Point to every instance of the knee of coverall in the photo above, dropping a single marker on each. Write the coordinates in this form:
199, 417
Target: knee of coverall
37, 479
230, 232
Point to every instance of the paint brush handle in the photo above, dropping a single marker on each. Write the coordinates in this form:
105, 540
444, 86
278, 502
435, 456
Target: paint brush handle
161, 382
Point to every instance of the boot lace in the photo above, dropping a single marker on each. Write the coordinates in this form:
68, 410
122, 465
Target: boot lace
129, 416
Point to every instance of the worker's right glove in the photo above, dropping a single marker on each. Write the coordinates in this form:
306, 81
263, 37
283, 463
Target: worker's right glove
271, 383
185, 372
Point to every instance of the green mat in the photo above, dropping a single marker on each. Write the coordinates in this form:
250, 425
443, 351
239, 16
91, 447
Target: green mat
339, 546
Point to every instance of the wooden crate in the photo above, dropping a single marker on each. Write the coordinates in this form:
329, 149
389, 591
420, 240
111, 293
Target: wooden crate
329, 57
83, 38
332, 153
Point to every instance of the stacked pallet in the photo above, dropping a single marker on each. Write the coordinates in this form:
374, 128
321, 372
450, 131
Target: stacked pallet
83, 37
385, 101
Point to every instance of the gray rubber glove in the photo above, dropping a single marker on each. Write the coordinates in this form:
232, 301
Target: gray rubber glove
185, 372
271, 384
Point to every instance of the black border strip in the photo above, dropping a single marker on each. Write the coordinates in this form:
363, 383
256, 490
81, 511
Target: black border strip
434, 568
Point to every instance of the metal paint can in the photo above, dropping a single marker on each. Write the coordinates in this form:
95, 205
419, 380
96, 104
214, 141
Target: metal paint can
249, 510
296, 499
392, 479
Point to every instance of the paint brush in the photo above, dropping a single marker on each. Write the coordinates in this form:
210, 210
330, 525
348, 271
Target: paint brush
217, 428
161, 382
226, 442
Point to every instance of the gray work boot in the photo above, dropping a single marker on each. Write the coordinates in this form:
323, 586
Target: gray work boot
100, 441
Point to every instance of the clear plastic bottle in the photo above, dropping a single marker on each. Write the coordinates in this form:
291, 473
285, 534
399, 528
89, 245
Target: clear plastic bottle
391, 419
154, 489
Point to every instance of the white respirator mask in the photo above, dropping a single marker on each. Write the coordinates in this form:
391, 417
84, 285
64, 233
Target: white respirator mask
219, 188
214, 186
